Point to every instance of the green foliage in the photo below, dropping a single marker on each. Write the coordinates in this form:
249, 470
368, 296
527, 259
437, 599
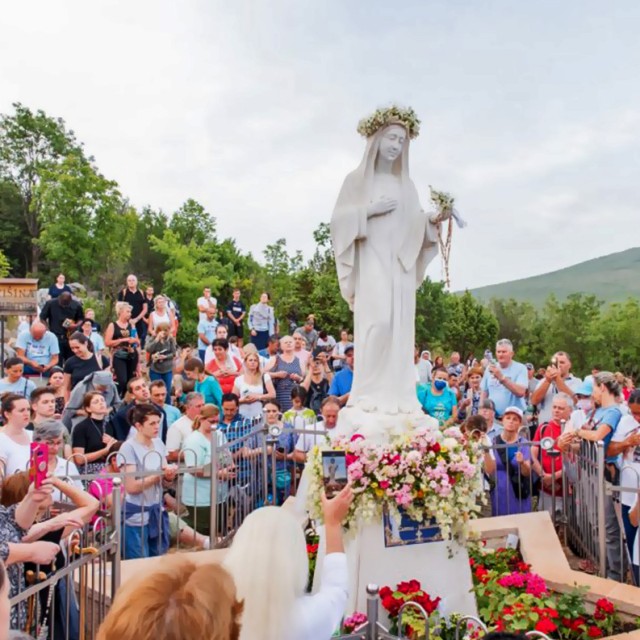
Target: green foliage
469, 326
31, 144
192, 223
146, 262
432, 311
5, 266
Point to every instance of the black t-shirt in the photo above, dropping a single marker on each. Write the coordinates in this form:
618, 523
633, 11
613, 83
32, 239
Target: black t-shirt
236, 308
151, 305
318, 391
135, 298
55, 314
88, 434
79, 368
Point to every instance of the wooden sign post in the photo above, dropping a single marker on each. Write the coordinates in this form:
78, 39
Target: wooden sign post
18, 297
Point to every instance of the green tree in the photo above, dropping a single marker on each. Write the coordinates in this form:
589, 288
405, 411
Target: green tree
470, 326
86, 227
30, 144
432, 309
572, 326
192, 222
146, 261
14, 235
520, 322
617, 338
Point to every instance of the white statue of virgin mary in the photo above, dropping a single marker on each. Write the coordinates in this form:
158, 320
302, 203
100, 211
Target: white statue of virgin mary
383, 242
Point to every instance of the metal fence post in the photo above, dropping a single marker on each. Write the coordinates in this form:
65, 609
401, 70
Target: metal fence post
117, 536
213, 501
602, 542
372, 611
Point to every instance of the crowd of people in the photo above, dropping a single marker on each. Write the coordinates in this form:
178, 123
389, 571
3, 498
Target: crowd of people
131, 400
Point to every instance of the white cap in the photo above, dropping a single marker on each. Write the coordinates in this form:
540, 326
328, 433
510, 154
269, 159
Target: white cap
516, 410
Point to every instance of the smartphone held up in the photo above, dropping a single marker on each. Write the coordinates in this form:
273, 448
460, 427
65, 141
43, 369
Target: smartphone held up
38, 463
334, 472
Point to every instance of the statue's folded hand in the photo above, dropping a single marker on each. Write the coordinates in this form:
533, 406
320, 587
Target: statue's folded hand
384, 205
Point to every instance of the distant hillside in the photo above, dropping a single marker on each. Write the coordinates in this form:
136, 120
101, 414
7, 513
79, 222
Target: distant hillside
611, 278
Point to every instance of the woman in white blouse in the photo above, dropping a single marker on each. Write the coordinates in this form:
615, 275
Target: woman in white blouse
253, 387
269, 564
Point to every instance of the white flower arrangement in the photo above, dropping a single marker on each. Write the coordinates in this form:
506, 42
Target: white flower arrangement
427, 473
385, 116
443, 200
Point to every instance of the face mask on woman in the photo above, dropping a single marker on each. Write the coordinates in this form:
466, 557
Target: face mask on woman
440, 385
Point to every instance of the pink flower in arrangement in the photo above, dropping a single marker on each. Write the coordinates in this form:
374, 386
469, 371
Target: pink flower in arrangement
536, 586
355, 470
384, 484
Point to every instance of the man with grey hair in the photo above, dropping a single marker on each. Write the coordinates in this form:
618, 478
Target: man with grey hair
182, 427
504, 381
547, 462
557, 379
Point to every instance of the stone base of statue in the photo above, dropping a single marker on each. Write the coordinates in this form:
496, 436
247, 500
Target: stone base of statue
399, 549
384, 554
380, 428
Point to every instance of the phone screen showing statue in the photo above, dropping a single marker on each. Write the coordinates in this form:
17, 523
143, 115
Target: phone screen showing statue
334, 472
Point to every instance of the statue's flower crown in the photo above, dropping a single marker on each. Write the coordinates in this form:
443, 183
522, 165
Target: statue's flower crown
390, 115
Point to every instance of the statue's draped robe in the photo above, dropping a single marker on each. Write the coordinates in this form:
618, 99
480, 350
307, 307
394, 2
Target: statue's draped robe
380, 262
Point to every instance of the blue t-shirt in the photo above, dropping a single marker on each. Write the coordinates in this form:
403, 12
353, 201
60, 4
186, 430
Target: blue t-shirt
211, 391
23, 387
438, 407
612, 417
172, 413
208, 329
341, 383
501, 396
39, 351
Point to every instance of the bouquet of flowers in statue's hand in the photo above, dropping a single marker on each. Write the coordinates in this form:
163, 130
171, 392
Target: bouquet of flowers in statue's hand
427, 474
414, 623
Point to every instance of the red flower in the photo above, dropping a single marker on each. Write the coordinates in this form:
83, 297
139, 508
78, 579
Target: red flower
594, 632
481, 574
545, 625
350, 459
385, 592
472, 562
523, 567
357, 436
312, 548
392, 605
606, 606
409, 587
435, 447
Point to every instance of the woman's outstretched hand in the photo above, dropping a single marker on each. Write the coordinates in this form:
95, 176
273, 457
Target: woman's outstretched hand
335, 509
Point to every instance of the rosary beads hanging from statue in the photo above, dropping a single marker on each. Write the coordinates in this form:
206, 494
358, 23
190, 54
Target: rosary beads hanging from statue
446, 213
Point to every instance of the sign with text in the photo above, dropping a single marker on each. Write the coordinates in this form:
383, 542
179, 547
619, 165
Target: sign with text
18, 296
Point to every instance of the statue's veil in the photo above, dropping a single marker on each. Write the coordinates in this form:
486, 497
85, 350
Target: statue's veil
418, 248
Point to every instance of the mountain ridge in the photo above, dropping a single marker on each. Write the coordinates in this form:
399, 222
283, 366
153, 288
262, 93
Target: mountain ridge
611, 278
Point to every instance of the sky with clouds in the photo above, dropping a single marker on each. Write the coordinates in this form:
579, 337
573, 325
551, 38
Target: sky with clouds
530, 111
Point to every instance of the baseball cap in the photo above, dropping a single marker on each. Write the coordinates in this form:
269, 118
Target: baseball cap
102, 378
348, 349
317, 351
586, 388
488, 404
516, 410
529, 366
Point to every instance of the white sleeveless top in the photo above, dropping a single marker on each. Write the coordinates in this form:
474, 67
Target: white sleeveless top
157, 319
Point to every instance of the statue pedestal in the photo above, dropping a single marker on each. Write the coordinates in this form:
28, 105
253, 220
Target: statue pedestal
370, 561
380, 428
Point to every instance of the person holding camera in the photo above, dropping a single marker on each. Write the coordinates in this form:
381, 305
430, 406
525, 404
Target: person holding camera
557, 379
161, 349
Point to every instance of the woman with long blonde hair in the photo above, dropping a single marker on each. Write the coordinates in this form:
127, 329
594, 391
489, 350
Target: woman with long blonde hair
269, 564
253, 387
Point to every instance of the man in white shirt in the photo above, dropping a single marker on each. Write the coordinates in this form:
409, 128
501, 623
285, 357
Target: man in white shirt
206, 301
306, 441
38, 349
182, 427
557, 379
